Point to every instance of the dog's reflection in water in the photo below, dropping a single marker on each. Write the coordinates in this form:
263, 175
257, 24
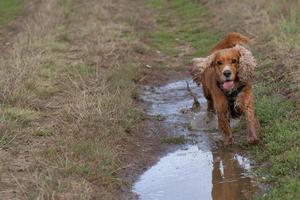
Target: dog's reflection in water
228, 178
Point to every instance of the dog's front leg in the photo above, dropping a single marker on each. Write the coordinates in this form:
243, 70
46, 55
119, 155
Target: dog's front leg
245, 102
224, 125
221, 106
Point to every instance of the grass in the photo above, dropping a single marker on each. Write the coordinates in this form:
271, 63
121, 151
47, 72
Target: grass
287, 18
173, 140
288, 191
66, 5
66, 98
98, 111
20, 115
13, 119
43, 133
180, 23
280, 138
10, 9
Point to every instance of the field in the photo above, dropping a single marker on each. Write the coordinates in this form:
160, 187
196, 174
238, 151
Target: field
70, 121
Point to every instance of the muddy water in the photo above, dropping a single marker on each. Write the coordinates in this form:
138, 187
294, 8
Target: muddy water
201, 169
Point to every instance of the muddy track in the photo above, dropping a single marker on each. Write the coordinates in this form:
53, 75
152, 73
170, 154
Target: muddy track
202, 167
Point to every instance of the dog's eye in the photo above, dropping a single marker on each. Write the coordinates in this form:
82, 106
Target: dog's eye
234, 61
219, 62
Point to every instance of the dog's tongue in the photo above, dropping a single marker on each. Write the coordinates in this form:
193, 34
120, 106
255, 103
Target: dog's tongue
228, 85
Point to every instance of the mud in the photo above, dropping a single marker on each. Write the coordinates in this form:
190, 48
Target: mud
202, 168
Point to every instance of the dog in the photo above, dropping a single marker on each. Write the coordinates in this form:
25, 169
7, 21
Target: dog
226, 76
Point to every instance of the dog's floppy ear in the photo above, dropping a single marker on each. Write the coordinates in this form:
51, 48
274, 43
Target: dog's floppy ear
247, 64
199, 65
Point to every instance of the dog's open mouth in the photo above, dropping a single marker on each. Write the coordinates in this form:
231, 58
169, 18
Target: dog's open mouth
228, 85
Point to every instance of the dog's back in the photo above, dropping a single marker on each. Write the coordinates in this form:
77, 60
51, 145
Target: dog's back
230, 41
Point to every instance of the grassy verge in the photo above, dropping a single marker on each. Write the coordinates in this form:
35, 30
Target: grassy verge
10, 9
187, 23
96, 91
280, 150
66, 102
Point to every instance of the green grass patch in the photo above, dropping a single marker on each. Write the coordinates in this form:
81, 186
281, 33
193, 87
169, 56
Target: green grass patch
9, 9
289, 24
48, 71
82, 70
13, 120
67, 6
99, 159
182, 22
19, 115
173, 140
289, 190
5, 140
63, 35
59, 46
280, 141
43, 133
165, 41
119, 102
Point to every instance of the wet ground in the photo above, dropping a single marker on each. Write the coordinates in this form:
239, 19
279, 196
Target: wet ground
200, 169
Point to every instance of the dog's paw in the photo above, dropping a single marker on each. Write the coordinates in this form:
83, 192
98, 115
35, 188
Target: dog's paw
229, 141
253, 139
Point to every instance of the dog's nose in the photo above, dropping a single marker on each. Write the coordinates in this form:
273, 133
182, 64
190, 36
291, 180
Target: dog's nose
227, 73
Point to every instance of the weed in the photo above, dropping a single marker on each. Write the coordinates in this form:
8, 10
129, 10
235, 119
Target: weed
160, 117
19, 115
43, 133
6, 138
173, 140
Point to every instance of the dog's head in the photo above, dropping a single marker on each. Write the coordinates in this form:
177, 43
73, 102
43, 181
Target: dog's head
238, 60
226, 64
231, 65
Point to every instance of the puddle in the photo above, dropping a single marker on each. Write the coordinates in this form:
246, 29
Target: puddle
200, 170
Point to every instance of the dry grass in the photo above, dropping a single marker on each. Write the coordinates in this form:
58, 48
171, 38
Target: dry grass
66, 101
